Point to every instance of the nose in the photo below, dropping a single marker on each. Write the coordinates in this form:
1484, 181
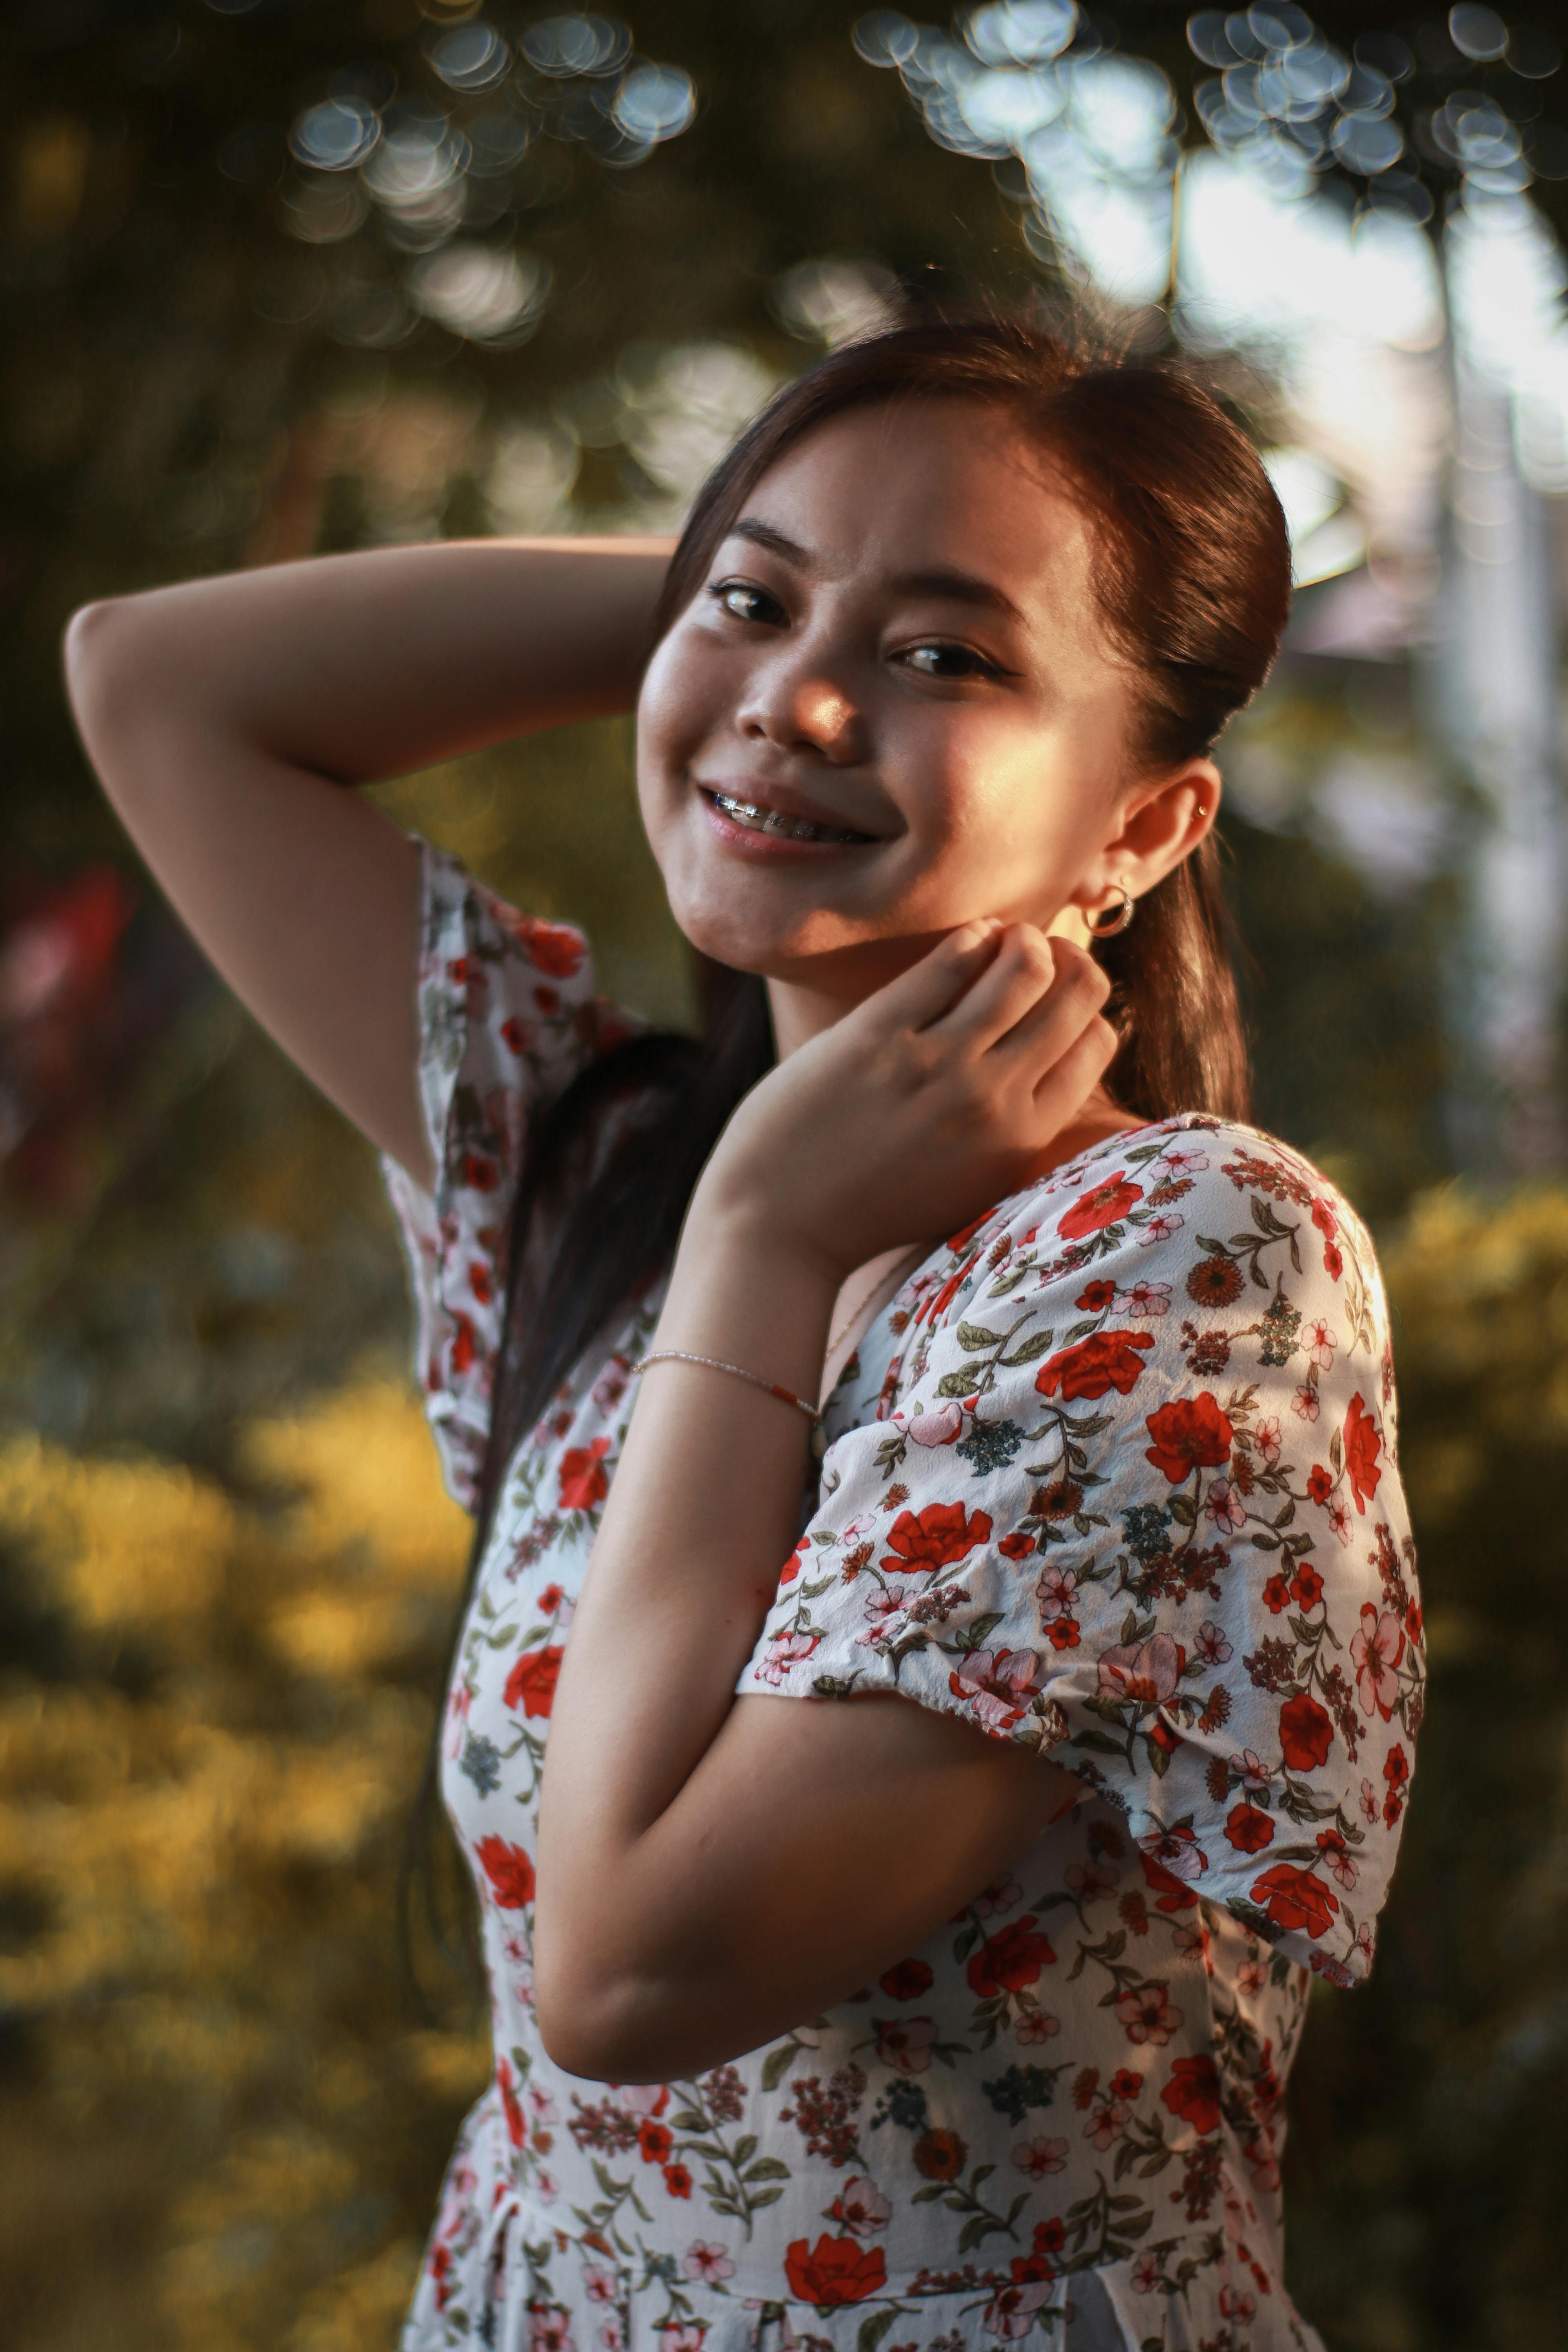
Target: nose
794, 703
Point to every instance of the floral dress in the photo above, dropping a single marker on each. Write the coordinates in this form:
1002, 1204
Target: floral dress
1112, 1477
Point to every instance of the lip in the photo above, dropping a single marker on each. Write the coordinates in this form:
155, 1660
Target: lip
745, 822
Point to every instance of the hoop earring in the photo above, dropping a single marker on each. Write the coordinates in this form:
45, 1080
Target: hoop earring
1099, 927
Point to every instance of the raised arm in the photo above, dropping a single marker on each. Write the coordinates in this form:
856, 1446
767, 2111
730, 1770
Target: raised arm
224, 716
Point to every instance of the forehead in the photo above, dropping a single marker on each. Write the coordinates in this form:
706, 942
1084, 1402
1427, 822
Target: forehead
913, 486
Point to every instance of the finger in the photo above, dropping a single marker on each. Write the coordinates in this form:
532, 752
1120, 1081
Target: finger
1044, 1029
1020, 973
939, 980
1062, 1090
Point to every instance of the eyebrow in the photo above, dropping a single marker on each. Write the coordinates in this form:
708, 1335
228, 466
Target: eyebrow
951, 587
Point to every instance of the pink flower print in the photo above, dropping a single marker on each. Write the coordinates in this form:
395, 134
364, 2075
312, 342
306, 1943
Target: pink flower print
1172, 1858
785, 1651
1340, 1522
1370, 1804
611, 2335
644, 2098
1211, 1644
1036, 2025
885, 1618
1039, 2156
1148, 2014
1375, 1653
1266, 1442
1182, 1162
1148, 1673
677, 2335
940, 1427
1320, 1343
549, 2329
459, 1700
1251, 1772
1341, 1863
1012, 2313
1145, 1301
1160, 1229
1222, 1504
1091, 1880
1146, 2273
547, 2188
1002, 1895
860, 2207
599, 2286
997, 1684
1108, 2119
708, 2262
1365, 1944
611, 1385
1250, 1978
1235, 2303
905, 2043
1304, 1403
1057, 1593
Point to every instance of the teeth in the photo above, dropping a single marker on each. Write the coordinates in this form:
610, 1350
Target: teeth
793, 828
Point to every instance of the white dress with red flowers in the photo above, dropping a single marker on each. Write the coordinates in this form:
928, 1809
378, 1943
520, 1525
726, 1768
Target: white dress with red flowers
1113, 1477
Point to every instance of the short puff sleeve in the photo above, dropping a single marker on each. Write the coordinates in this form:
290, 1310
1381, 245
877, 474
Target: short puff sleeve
1131, 1498
508, 1015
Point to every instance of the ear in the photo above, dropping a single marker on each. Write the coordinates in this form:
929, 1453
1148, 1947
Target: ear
1161, 821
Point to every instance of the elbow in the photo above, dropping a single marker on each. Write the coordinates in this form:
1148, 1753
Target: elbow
98, 661
604, 2030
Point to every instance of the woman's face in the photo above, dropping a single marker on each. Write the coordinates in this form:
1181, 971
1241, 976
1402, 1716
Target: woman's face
896, 663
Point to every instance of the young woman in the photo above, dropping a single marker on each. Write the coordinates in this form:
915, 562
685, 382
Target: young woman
952, 2002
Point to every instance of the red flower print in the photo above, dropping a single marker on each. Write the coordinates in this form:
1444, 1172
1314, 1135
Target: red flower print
1375, 1653
1362, 1465
515, 1034
1249, 1830
1109, 1201
654, 2141
549, 1600
1324, 1219
1010, 1960
582, 1479
946, 1295
480, 1281
1125, 2084
510, 1871
515, 2126
791, 1568
677, 2179
834, 2271
465, 1348
1015, 1547
1190, 1433
1333, 1263
1396, 1767
552, 948
1308, 1587
939, 2154
1096, 1297
1306, 1732
943, 1533
549, 1001
1320, 1485
532, 1682
1295, 1899
907, 1982
1192, 2092
1105, 1360
1277, 1595
480, 1174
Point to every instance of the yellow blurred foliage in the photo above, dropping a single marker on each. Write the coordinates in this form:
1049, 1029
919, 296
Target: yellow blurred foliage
200, 1827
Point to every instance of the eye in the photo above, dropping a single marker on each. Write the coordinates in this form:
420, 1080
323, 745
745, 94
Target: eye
745, 602
949, 664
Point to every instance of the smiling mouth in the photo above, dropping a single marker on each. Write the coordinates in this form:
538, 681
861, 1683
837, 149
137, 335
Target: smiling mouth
754, 819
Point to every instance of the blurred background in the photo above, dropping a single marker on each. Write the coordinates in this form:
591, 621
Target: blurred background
286, 276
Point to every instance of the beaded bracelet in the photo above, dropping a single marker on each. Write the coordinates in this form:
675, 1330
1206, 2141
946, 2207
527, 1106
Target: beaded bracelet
714, 1364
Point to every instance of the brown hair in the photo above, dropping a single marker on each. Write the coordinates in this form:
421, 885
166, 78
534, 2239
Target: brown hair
1193, 578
